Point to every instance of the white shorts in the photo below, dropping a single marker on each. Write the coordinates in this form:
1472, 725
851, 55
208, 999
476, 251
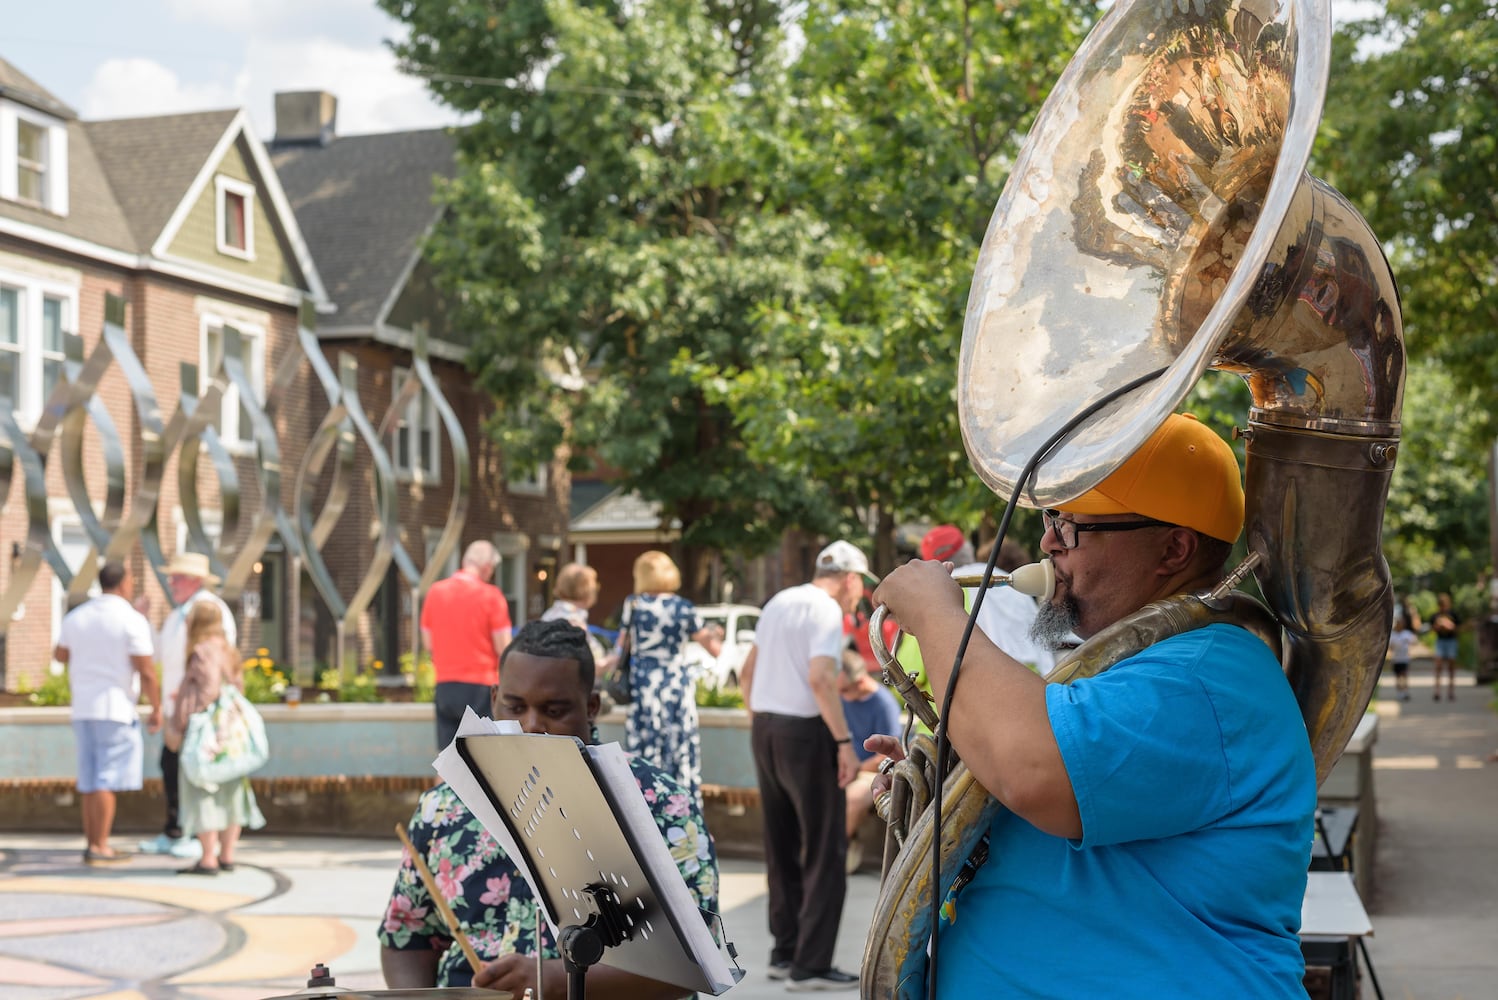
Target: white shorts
110, 755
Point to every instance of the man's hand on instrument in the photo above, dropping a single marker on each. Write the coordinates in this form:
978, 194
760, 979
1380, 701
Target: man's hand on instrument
517, 973
916, 589
893, 751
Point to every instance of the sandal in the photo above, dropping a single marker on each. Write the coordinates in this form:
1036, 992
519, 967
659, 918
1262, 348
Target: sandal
225, 866
199, 869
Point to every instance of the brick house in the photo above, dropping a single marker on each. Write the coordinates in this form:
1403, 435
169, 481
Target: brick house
187, 219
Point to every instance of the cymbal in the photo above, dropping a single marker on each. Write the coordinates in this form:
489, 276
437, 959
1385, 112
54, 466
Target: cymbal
338, 993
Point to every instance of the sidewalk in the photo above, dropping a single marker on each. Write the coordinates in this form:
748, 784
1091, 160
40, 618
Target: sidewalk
142, 932
1435, 924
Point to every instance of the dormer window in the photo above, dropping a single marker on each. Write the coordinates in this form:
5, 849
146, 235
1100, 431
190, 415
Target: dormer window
236, 218
31, 162
33, 158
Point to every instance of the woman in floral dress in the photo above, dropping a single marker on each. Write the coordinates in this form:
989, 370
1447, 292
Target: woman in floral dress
662, 722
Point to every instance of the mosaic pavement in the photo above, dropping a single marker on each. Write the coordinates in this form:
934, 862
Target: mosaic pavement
140, 931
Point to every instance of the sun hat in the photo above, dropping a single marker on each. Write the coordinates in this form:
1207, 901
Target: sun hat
190, 564
1185, 474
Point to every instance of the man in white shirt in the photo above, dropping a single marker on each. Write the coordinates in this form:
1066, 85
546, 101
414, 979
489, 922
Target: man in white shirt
106, 645
803, 758
188, 577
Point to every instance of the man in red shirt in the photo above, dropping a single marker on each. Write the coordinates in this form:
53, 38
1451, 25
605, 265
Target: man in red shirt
465, 622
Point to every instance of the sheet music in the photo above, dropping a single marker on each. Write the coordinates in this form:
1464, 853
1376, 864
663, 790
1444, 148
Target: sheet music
453, 769
609, 765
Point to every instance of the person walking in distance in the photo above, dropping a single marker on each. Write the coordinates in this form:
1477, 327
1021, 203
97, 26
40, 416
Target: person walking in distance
106, 645
465, 622
803, 759
1446, 624
189, 576
1401, 642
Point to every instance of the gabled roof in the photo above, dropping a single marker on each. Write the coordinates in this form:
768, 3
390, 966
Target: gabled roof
94, 217
365, 203
132, 182
22, 89
152, 162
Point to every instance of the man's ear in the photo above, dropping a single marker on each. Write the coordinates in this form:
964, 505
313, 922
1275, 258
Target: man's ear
494, 701
595, 703
1181, 547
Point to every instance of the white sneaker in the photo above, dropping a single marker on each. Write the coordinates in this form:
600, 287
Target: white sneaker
830, 980
159, 844
187, 848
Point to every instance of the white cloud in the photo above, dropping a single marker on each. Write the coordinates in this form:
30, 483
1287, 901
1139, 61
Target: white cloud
373, 95
131, 88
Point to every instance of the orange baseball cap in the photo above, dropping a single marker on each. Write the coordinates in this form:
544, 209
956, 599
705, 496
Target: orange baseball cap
1185, 473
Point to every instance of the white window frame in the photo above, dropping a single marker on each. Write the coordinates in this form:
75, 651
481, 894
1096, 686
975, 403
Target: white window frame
54, 161
212, 519
73, 545
253, 335
429, 539
223, 187
513, 576
421, 414
29, 353
533, 485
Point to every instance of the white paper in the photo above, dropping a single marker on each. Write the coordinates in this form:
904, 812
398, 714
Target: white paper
454, 770
612, 767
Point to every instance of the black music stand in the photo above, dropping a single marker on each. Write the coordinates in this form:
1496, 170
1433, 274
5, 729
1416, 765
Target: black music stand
573, 819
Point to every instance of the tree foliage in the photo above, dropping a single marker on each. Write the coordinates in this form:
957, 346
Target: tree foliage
902, 123
1410, 135
606, 230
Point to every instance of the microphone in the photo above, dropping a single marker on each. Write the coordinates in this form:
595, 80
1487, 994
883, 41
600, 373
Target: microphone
1037, 580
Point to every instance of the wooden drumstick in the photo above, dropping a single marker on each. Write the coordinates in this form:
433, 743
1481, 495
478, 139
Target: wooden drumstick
441, 904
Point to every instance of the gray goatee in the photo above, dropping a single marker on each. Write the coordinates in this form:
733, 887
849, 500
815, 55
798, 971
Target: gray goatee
1055, 623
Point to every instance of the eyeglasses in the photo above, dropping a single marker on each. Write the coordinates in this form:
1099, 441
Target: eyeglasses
1068, 532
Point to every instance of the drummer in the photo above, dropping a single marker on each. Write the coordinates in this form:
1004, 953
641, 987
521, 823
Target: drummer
546, 685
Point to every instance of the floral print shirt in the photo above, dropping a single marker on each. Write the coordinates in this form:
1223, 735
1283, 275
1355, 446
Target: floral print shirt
491, 900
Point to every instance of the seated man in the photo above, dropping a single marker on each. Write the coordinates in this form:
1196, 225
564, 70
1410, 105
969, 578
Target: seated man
546, 685
870, 709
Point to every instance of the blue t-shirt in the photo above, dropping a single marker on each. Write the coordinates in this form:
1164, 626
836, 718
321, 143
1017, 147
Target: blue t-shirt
1197, 790
878, 713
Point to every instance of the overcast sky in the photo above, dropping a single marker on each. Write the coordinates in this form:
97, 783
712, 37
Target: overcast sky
127, 58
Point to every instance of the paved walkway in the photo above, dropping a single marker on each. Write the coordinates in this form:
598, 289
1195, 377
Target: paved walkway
142, 932
1435, 913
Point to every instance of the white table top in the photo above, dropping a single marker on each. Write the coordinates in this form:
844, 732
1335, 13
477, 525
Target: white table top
1332, 907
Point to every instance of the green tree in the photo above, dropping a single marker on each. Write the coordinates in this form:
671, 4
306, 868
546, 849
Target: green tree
1436, 521
901, 123
1410, 135
606, 232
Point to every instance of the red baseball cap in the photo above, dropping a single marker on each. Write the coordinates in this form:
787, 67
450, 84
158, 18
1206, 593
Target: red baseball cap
942, 542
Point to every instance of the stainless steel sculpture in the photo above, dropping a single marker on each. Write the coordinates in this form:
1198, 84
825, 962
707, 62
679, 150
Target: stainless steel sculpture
333, 433
457, 512
114, 529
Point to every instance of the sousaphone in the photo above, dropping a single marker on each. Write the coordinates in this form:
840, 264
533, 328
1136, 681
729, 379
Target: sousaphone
1160, 219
